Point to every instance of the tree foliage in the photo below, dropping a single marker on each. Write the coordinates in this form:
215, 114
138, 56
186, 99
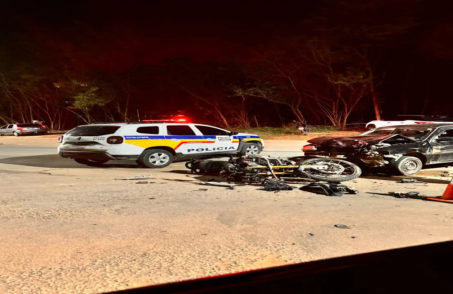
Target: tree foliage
338, 62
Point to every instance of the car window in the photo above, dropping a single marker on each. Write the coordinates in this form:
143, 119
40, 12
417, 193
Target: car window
10, 126
93, 130
180, 130
205, 130
446, 135
154, 130
3, 127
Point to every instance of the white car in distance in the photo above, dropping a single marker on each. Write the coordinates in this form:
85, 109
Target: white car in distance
409, 120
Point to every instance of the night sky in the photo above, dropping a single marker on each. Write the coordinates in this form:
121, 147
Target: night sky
409, 45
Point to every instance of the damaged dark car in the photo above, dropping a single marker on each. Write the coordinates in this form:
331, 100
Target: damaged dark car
405, 149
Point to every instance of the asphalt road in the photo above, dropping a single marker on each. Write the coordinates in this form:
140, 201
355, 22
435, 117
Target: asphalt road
70, 228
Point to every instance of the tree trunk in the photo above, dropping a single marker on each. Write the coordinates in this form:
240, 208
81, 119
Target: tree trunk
256, 121
222, 117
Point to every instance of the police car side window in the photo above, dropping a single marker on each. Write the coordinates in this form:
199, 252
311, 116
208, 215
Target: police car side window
180, 131
212, 131
148, 130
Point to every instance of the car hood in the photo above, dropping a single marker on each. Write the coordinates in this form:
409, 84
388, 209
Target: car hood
350, 142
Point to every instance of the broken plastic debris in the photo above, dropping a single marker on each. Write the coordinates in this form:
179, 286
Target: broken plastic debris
341, 226
328, 189
276, 185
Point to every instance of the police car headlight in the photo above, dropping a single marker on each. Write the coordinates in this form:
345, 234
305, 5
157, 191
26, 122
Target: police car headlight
115, 140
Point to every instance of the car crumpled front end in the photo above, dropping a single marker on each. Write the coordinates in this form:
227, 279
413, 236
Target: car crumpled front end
369, 151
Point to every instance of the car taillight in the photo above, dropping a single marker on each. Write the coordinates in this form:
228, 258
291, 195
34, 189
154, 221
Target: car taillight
115, 140
60, 139
43, 126
20, 128
309, 148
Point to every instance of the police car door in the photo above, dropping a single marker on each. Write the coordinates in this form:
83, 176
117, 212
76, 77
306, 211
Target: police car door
224, 140
184, 140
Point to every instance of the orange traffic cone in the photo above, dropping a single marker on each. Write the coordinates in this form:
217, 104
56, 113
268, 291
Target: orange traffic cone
447, 196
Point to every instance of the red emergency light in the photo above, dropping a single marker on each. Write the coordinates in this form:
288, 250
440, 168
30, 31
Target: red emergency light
180, 118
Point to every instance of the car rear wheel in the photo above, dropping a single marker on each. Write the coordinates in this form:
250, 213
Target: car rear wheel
16, 134
408, 165
251, 149
156, 158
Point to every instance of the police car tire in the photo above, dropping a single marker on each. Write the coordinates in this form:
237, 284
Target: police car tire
251, 145
146, 156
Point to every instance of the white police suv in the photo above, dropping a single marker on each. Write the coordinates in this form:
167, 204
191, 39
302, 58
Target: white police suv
153, 144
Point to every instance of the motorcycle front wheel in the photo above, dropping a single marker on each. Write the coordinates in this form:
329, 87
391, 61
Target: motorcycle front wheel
329, 169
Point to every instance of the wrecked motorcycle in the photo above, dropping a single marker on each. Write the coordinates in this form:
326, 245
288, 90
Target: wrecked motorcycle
258, 169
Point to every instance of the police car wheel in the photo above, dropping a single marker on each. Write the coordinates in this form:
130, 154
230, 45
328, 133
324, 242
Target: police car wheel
251, 149
156, 158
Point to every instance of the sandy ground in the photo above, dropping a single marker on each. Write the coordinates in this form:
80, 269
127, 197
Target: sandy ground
67, 228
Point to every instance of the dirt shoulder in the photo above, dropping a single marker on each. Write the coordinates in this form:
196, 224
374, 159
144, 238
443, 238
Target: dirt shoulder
88, 230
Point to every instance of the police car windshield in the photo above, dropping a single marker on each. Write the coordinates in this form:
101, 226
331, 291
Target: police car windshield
93, 130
